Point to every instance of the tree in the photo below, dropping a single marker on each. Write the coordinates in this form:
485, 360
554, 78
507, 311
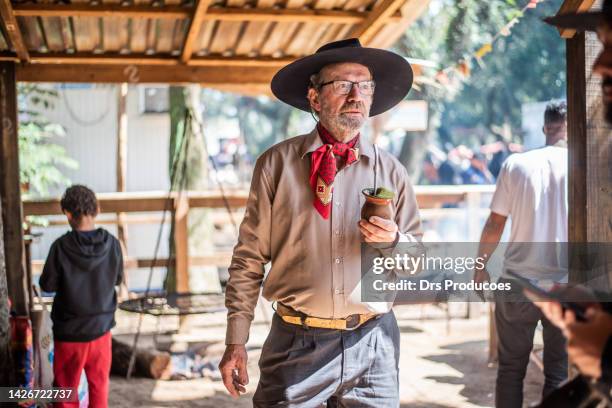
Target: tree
528, 65
192, 167
40, 161
263, 121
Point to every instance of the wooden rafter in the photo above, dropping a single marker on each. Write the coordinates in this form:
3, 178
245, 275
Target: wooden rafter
9, 57
138, 59
178, 12
194, 29
100, 10
11, 29
408, 12
110, 58
289, 15
240, 61
10, 192
211, 76
573, 6
377, 17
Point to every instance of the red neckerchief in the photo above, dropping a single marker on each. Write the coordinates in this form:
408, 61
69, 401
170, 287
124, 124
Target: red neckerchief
323, 168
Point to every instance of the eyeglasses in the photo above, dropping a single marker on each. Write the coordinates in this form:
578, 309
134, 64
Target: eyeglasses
344, 87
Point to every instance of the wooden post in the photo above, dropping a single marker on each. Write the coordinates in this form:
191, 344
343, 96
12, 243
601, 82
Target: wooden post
576, 143
589, 157
181, 243
5, 365
576, 137
122, 139
122, 135
10, 191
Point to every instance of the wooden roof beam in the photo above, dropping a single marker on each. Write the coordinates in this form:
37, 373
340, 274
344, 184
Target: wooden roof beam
106, 59
377, 17
289, 15
179, 12
408, 12
11, 29
9, 56
100, 10
573, 6
211, 76
194, 29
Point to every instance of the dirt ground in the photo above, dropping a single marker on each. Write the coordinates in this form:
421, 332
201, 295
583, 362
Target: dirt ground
443, 362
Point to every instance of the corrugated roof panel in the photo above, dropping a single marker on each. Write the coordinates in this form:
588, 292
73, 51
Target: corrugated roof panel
207, 31
115, 33
31, 33
251, 40
87, 33
52, 27
279, 39
225, 37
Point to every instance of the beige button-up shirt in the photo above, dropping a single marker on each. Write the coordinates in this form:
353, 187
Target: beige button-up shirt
316, 265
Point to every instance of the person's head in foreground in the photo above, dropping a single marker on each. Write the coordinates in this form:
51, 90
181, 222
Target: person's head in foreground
80, 206
555, 122
600, 22
343, 83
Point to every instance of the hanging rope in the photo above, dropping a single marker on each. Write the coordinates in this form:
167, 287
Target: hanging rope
178, 154
86, 122
175, 303
221, 189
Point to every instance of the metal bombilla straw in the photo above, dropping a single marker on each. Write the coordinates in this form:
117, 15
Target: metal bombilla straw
375, 167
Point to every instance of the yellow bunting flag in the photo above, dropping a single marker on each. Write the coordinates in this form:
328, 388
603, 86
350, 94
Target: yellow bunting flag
462, 69
484, 50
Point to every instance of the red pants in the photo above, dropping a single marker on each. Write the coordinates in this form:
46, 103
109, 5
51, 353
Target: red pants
70, 358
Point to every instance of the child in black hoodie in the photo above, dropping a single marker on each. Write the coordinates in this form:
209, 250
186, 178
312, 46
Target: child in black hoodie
82, 268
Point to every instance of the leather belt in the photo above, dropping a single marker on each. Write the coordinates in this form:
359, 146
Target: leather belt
348, 323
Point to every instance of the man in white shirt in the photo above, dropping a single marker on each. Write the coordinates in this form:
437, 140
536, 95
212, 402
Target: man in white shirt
532, 191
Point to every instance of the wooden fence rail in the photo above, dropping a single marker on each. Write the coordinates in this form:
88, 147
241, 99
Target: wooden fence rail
428, 198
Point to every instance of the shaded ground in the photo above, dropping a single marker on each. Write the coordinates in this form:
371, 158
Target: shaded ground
442, 364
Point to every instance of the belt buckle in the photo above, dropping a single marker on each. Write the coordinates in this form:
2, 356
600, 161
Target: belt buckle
303, 321
353, 320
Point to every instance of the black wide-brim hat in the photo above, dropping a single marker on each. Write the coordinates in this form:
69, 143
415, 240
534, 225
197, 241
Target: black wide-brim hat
390, 71
587, 21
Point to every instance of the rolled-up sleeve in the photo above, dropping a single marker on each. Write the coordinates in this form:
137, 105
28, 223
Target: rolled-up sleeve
251, 253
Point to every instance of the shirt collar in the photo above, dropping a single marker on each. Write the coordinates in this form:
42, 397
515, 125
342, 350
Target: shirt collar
312, 142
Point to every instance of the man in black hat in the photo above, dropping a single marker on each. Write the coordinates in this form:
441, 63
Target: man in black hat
326, 345
589, 342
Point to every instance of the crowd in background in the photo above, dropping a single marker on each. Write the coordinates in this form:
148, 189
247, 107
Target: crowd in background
462, 165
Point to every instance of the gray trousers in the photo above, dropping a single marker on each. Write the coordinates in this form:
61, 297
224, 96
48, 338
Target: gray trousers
516, 322
335, 368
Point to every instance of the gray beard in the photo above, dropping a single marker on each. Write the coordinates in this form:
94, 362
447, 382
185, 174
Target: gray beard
345, 123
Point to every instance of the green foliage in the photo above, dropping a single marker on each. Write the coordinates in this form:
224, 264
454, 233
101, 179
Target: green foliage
263, 121
39, 159
527, 66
